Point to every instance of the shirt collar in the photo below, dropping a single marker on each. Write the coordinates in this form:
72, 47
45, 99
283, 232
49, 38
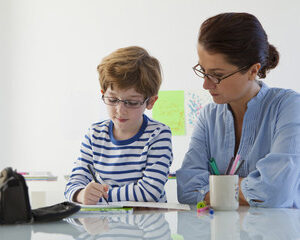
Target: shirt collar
260, 95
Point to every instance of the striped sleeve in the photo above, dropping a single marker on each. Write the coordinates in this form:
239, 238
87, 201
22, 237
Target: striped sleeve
80, 175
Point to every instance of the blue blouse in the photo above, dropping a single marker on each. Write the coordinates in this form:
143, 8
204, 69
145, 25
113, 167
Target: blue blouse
270, 146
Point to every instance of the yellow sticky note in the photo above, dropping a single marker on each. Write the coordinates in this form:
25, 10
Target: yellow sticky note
169, 109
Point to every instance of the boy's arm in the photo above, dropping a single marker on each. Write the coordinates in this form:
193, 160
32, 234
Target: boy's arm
80, 176
150, 187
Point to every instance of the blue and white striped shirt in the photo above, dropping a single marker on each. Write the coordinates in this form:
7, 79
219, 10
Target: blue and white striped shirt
136, 169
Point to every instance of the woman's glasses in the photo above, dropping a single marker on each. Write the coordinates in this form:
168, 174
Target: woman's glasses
197, 69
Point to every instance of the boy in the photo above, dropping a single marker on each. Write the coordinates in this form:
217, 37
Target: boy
131, 154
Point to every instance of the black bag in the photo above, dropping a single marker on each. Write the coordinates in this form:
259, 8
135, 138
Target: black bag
15, 205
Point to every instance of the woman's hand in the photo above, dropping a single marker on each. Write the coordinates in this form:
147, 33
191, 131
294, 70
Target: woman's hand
91, 194
243, 201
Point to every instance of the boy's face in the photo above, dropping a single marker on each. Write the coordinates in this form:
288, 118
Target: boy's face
127, 119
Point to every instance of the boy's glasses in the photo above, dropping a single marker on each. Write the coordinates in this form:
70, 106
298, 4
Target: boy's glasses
214, 79
112, 101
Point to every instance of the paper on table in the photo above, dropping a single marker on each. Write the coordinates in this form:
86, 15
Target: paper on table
174, 206
38, 175
103, 205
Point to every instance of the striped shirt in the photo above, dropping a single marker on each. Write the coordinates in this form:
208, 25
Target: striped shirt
136, 169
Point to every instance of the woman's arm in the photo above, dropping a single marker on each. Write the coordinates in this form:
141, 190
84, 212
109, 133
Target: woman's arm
192, 177
275, 181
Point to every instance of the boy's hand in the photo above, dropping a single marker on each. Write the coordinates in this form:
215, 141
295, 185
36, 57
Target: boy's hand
91, 194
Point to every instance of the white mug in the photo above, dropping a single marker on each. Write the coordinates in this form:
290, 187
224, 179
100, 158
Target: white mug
224, 192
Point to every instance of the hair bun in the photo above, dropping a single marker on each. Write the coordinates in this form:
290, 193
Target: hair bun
272, 62
273, 58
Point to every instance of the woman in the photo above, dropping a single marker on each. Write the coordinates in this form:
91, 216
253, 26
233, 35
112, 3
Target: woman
247, 118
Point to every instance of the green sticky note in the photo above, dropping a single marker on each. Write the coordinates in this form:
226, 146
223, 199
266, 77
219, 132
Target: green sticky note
169, 109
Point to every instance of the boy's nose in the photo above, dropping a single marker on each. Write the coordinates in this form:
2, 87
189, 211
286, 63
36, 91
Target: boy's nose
121, 107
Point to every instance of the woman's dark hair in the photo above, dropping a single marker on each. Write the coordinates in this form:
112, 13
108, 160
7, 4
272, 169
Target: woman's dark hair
241, 38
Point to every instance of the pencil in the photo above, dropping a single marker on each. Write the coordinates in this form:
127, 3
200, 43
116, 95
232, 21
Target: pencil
95, 179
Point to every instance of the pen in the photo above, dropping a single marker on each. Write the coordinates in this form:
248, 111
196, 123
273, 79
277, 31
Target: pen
238, 168
229, 166
236, 160
95, 179
214, 167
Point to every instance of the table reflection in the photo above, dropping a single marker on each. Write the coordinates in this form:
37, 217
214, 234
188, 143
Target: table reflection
266, 223
127, 226
43, 230
247, 223
192, 226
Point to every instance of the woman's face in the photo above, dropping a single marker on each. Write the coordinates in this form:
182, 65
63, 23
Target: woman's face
232, 89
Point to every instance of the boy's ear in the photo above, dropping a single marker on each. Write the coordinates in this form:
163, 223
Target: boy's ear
151, 102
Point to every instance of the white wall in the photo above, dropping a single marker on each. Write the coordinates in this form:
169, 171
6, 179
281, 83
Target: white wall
49, 50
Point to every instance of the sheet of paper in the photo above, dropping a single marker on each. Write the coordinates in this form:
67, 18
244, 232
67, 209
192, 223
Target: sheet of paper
103, 205
174, 206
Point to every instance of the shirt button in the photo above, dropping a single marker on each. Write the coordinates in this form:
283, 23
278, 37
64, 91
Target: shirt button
202, 191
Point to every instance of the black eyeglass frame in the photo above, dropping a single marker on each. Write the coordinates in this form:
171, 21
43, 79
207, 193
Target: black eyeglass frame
213, 78
126, 102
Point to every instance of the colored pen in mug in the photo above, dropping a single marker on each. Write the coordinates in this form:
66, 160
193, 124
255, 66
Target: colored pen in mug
235, 162
238, 168
95, 179
214, 167
229, 166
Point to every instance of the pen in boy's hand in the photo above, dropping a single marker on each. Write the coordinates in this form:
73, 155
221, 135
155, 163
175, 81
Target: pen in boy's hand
95, 179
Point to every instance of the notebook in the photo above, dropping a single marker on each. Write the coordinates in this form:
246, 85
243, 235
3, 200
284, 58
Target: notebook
131, 204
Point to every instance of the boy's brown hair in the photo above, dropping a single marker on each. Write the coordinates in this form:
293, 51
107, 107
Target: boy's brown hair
131, 67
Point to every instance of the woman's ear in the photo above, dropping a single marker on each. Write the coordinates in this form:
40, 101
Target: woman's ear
151, 101
253, 71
